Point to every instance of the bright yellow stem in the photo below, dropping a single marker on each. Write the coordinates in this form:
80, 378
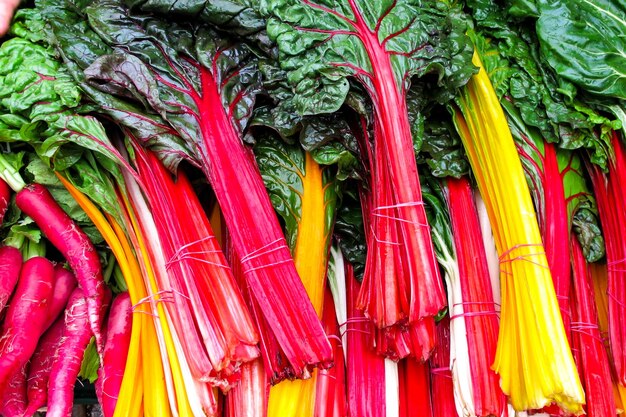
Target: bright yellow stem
533, 356
297, 398
600, 281
130, 401
157, 404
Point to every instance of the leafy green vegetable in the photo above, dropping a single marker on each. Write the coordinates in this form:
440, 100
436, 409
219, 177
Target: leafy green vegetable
283, 169
585, 42
545, 101
349, 230
44, 108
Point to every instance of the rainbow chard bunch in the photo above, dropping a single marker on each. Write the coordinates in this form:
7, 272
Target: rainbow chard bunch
323, 48
187, 93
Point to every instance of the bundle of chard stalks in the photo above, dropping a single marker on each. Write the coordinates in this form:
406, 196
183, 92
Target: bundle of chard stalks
314, 208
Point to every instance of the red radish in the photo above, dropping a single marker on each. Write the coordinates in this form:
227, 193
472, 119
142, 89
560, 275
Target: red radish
10, 265
64, 285
5, 196
37, 202
13, 401
69, 355
26, 317
116, 347
40, 366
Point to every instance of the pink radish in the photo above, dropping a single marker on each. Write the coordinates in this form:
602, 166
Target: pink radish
116, 346
37, 202
26, 317
69, 355
40, 366
64, 285
10, 265
5, 197
13, 401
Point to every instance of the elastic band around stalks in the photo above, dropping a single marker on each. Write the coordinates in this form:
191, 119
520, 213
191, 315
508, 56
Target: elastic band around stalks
587, 329
613, 266
187, 245
445, 372
475, 314
523, 257
189, 257
385, 242
264, 250
151, 298
400, 205
616, 300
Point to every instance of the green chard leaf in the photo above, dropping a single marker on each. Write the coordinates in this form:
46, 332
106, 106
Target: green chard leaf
521, 76
42, 106
349, 230
320, 44
232, 16
438, 219
283, 168
145, 72
585, 42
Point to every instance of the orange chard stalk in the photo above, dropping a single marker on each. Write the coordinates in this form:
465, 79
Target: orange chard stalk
310, 253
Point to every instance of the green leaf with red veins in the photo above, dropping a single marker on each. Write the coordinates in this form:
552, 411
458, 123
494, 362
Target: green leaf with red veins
321, 43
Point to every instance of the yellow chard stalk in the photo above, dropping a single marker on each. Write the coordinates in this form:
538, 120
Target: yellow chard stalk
533, 357
297, 398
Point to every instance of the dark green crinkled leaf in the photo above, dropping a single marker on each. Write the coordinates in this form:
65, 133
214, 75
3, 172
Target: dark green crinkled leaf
232, 16
511, 57
435, 141
589, 234
283, 169
119, 59
322, 44
438, 218
349, 230
37, 92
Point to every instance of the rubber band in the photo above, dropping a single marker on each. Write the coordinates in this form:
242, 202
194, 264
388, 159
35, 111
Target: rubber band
256, 268
444, 372
616, 300
365, 332
187, 245
151, 298
335, 337
587, 329
255, 253
474, 314
188, 257
523, 257
262, 251
399, 219
399, 205
507, 252
611, 266
469, 303
355, 320
384, 242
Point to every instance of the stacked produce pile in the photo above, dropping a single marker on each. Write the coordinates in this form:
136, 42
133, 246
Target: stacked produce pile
253, 208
